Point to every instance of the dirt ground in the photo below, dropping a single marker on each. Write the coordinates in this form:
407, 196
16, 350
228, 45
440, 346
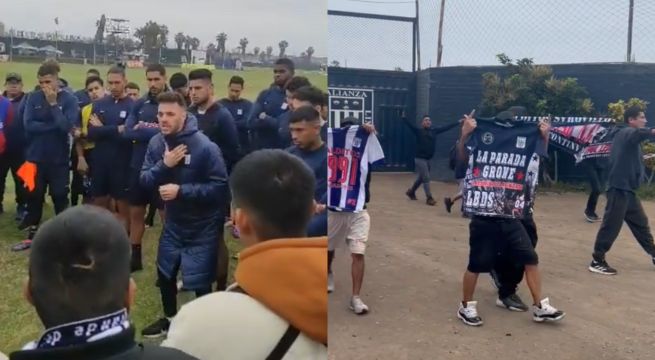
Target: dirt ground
414, 266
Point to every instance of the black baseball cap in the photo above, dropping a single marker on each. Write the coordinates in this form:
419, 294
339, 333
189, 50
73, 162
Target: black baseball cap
13, 76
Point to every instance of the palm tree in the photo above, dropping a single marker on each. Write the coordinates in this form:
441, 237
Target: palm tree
162, 36
100, 28
180, 39
283, 47
269, 52
210, 54
195, 43
221, 39
187, 43
310, 53
256, 50
243, 44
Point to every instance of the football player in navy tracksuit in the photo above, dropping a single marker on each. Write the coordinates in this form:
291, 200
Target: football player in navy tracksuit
141, 126
111, 153
270, 104
14, 154
240, 109
305, 129
82, 95
292, 86
180, 84
187, 170
50, 114
216, 122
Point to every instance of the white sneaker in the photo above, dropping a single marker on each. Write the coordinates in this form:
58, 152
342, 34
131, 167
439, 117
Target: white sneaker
468, 313
545, 312
330, 284
358, 306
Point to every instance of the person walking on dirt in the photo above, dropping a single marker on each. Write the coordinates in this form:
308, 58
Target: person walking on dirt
425, 147
626, 172
500, 183
357, 148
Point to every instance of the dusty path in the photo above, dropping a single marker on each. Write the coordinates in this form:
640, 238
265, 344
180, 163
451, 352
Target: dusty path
413, 285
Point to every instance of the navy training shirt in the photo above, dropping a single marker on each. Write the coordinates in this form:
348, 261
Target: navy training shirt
317, 161
218, 125
110, 145
240, 110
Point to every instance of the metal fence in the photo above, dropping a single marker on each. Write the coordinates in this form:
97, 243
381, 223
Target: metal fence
432, 33
370, 41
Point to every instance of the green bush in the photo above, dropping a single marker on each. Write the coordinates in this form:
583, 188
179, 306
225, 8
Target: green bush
534, 87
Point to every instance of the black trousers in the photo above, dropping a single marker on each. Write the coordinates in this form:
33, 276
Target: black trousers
12, 162
168, 290
597, 177
623, 206
508, 273
52, 177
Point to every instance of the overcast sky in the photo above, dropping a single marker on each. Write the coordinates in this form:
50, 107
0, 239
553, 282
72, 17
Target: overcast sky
302, 23
474, 31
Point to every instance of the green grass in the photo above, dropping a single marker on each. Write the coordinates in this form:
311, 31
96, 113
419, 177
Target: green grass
256, 79
19, 323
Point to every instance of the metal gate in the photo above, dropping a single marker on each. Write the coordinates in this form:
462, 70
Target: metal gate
380, 97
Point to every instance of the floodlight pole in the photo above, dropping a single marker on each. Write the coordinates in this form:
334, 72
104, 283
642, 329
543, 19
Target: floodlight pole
630, 17
439, 44
417, 38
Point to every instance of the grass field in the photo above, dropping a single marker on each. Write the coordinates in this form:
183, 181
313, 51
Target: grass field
256, 79
19, 321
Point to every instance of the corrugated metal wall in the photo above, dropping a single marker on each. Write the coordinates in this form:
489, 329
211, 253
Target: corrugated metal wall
447, 93
457, 90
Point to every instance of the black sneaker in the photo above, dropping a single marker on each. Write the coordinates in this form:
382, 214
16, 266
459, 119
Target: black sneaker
157, 329
591, 217
27, 243
430, 201
448, 202
544, 312
601, 267
512, 303
22, 246
494, 279
468, 313
410, 195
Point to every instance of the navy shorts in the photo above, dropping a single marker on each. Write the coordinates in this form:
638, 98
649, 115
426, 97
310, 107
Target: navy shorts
108, 180
140, 196
492, 237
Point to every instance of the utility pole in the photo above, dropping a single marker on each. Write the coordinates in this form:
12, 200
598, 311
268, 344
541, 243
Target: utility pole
417, 38
439, 45
630, 17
